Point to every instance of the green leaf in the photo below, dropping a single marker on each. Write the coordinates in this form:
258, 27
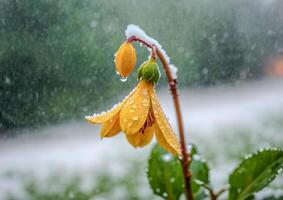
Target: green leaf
254, 173
200, 195
199, 169
200, 172
166, 177
165, 174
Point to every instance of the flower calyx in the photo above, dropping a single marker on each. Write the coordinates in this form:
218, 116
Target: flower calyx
149, 71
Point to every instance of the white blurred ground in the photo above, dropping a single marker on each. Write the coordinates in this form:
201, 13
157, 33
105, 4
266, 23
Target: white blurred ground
212, 116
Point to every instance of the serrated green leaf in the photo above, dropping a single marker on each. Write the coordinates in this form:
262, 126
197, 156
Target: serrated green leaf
166, 177
199, 169
165, 174
254, 173
200, 172
192, 149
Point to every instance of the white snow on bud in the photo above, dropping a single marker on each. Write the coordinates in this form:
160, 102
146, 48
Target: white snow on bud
134, 30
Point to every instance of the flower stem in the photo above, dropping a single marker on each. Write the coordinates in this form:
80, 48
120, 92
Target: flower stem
185, 161
185, 156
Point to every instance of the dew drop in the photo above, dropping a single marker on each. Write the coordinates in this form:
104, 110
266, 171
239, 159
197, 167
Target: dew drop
167, 157
123, 79
144, 92
135, 118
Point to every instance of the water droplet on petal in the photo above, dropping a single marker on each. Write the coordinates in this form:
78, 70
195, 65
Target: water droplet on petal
135, 118
144, 92
123, 79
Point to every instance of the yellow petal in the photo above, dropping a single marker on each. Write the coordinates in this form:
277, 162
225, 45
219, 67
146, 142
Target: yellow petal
141, 139
135, 110
105, 116
125, 59
165, 143
164, 133
111, 127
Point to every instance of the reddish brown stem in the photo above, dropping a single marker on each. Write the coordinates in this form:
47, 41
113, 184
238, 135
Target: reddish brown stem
185, 161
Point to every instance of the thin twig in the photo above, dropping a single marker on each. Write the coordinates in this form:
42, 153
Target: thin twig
213, 195
221, 191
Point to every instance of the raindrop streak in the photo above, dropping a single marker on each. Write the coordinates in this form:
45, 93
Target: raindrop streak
123, 79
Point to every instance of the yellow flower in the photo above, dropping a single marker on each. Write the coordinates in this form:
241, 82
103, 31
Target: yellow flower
125, 59
139, 116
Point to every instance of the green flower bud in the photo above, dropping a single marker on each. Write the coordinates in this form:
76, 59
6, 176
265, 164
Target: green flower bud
140, 72
156, 76
149, 71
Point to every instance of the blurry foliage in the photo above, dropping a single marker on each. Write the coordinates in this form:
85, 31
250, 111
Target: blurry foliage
61, 186
56, 56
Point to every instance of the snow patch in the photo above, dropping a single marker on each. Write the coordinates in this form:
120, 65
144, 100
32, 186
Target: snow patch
173, 70
134, 30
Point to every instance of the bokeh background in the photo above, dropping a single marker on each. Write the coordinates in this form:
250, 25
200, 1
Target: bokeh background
56, 66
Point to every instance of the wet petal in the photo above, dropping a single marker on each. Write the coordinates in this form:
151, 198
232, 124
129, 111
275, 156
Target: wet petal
163, 131
125, 59
134, 112
105, 116
111, 127
168, 144
141, 139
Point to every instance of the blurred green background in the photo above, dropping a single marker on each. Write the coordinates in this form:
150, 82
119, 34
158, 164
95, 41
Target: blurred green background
56, 56
56, 65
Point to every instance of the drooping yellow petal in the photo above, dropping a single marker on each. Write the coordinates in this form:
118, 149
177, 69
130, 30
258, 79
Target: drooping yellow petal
165, 143
111, 127
140, 139
135, 110
164, 133
105, 116
125, 59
